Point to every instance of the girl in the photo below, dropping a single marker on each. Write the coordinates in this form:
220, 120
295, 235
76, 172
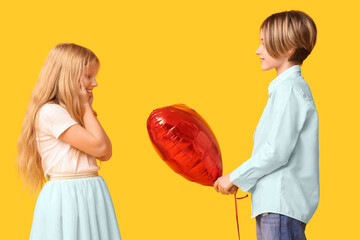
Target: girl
61, 139
283, 172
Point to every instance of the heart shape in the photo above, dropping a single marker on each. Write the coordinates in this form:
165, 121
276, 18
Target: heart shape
186, 143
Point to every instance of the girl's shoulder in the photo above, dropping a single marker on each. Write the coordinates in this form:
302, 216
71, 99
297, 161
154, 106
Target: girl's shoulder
52, 110
54, 119
52, 107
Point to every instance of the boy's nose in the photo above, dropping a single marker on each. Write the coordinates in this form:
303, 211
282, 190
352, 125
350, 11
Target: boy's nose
94, 83
257, 52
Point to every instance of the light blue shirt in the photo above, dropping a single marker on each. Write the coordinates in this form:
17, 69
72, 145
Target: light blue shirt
282, 174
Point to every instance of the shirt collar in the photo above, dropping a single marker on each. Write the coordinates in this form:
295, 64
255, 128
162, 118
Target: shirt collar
283, 76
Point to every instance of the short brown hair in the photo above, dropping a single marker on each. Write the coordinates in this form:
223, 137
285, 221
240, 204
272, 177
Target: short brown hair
289, 30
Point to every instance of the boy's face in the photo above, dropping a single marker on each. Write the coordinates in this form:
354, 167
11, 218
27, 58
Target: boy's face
268, 62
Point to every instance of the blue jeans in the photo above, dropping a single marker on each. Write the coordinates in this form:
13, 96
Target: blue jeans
272, 226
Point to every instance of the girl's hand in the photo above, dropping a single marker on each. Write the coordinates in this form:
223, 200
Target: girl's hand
223, 185
85, 97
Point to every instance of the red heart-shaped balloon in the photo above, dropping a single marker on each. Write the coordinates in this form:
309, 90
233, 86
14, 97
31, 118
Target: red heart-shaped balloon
186, 143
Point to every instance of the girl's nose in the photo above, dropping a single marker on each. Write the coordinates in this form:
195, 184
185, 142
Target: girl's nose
94, 83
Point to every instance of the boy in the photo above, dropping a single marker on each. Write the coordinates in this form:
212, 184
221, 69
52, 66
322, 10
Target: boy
283, 172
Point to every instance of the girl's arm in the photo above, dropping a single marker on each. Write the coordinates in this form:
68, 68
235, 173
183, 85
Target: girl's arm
91, 139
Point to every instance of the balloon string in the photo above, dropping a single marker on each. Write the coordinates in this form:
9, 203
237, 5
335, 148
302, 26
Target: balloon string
236, 210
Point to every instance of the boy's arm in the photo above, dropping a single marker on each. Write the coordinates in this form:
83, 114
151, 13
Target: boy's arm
287, 117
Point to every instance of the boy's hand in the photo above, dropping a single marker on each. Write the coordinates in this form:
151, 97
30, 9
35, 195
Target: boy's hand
223, 185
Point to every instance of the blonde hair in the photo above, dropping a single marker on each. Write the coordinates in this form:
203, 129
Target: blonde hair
58, 83
289, 30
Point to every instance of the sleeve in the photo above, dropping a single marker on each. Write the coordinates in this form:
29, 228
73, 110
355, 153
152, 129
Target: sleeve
287, 117
54, 120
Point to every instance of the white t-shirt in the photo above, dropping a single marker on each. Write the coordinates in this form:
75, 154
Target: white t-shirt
58, 157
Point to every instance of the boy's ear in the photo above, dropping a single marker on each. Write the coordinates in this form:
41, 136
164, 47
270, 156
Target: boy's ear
291, 52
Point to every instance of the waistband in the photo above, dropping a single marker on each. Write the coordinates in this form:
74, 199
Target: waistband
74, 176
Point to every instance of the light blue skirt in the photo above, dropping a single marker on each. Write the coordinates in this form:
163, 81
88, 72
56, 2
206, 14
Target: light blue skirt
75, 209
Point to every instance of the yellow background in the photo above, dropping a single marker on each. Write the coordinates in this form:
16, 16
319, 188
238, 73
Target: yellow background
200, 53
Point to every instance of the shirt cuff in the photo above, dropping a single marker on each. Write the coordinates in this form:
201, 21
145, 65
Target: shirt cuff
242, 184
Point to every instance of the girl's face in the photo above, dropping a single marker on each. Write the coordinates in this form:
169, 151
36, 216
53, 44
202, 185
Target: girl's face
268, 62
88, 77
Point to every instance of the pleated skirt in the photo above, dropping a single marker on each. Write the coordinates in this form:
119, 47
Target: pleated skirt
75, 209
